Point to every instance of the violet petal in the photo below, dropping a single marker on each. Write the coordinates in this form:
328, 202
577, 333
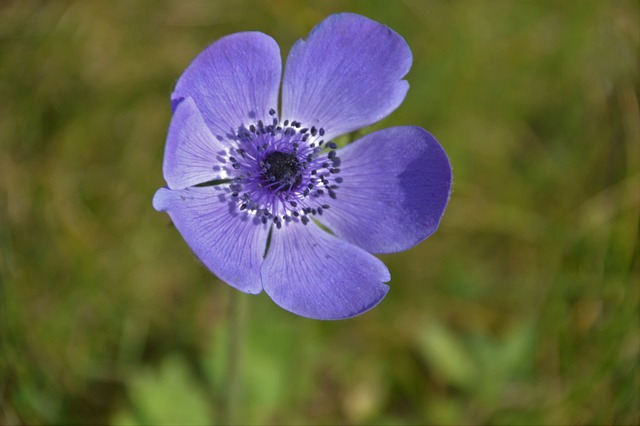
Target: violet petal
311, 273
234, 81
396, 185
345, 75
230, 243
192, 155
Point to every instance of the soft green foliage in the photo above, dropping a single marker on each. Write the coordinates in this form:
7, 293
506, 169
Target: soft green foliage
166, 396
521, 309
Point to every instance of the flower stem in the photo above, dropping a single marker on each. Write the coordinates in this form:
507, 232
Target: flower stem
237, 325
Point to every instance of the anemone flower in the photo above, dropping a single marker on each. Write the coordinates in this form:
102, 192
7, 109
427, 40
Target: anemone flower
263, 196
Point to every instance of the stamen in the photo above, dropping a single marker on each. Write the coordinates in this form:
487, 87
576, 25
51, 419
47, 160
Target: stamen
283, 172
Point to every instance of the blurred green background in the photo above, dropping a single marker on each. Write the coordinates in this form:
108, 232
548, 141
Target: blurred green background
521, 309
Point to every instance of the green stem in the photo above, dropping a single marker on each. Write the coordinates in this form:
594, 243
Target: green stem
237, 325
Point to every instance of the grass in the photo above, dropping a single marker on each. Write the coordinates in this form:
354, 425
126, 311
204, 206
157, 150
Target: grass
521, 309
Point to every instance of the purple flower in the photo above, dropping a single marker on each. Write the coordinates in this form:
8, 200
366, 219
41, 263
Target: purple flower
248, 186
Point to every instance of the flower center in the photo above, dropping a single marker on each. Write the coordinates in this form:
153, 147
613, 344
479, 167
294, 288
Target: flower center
283, 171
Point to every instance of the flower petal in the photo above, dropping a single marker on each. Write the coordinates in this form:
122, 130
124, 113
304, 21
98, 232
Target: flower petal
313, 274
230, 243
192, 154
396, 186
234, 81
345, 75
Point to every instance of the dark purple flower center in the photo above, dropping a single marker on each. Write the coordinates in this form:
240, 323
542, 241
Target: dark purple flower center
283, 171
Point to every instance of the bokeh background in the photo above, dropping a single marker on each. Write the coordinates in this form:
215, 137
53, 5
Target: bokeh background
521, 309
